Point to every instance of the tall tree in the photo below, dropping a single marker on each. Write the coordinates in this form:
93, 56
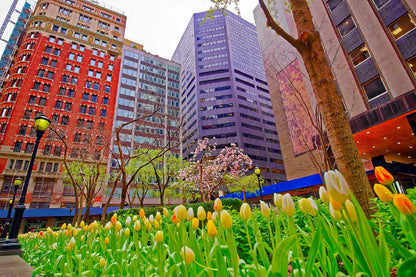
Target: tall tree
309, 45
247, 183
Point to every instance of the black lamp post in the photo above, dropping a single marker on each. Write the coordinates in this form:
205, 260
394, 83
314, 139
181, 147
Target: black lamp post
6, 226
12, 245
258, 171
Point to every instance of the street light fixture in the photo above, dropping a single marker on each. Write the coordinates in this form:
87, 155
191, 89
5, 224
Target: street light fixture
6, 226
257, 170
12, 245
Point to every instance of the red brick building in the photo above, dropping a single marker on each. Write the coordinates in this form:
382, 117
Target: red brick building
67, 67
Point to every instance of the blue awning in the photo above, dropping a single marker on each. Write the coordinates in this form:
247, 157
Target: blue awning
55, 212
304, 182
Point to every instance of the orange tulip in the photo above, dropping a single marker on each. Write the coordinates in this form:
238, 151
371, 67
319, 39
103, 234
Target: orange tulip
174, 219
209, 215
335, 204
114, 219
212, 229
403, 204
383, 176
383, 193
217, 205
141, 213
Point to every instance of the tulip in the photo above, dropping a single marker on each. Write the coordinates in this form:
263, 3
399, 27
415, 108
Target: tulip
190, 213
287, 205
180, 212
158, 216
337, 185
314, 207
212, 229
55, 245
114, 219
141, 213
128, 221
127, 232
85, 228
335, 204
217, 205
95, 225
118, 226
63, 227
82, 224
151, 218
304, 205
159, 236
148, 225
277, 200
137, 225
82, 238
174, 219
134, 218
403, 204
195, 223
215, 216
245, 211
71, 244
49, 230
106, 240
201, 213
209, 215
69, 227
108, 226
102, 262
165, 212
265, 210
334, 213
75, 232
383, 193
383, 176
349, 206
226, 220
323, 194
187, 255
157, 224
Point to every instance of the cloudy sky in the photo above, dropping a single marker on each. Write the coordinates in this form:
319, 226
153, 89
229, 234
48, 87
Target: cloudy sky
157, 24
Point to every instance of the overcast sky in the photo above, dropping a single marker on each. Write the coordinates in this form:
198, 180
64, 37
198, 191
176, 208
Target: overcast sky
157, 24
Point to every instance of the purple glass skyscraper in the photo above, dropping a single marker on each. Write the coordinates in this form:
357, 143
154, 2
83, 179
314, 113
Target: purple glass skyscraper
224, 93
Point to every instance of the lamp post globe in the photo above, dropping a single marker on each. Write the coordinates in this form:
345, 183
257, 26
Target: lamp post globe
257, 171
12, 245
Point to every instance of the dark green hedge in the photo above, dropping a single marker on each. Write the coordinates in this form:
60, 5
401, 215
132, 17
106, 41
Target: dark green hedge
228, 203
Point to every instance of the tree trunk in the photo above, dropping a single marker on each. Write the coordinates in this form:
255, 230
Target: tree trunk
103, 214
162, 196
330, 105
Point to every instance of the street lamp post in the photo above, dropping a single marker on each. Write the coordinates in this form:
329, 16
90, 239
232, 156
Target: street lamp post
12, 245
6, 226
258, 171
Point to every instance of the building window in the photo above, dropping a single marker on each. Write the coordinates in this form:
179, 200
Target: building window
68, 106
83, 109
77, 137
412, 64
346, 26
47, 150
58, 105
29, 148
105, 101
80, 123
17, 146
42, 101
28, 114
402, 26
108, 79
374, 88
22, 130
89, 124
91, 111
103, 113
64, 120
55, 118
57, 151
44, 186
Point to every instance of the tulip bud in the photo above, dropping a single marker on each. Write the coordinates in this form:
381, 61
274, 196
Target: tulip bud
403, 204
82, 224
134, 218
165, 212
337, 185
137, 225
114, 219
195, 223
157, 224
349, 206
209, 215
148, 225
334, 213
128, 221
49, 230
71, 244
217, 205
215, 216
201, 213
102, 262
287, 205
265, 210
226, 220
118, 226
82, 238
304, 205
277, 199
180, 212
108, 226
383, 193
245, 211
141, 213
95, 225
187, 255
323, 194
335, 204
314, 207
158, 216
63, 227
212, 229
190, 213
54, 246
159, 236
127, 232
383, 176
106, 240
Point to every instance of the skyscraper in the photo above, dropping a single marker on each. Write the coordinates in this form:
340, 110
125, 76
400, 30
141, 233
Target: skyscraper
66, 67
224, 93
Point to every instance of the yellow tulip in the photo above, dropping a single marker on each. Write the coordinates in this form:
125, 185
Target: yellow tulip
277, 199
349, 206
323, 194
383, 193
157, 225
335, 204
134, 218
265, 210
69, 227
137, 225
95, 225
217, 205
127, 232
141, 213
180, 212
71, 244
159, 236
226, 220
75, 232
63, 227
383, 176
201, 213
212, 229
195, 223
158, 216
304, 205
215, 216
245, 211
314, 207
114, 219
335, 213
287, 205
118, 226
82, 238
165, 212
148, 225
106, 240
403, 204
82, 224
49, 230
337, 185
108, 226
102, 262
187, 255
